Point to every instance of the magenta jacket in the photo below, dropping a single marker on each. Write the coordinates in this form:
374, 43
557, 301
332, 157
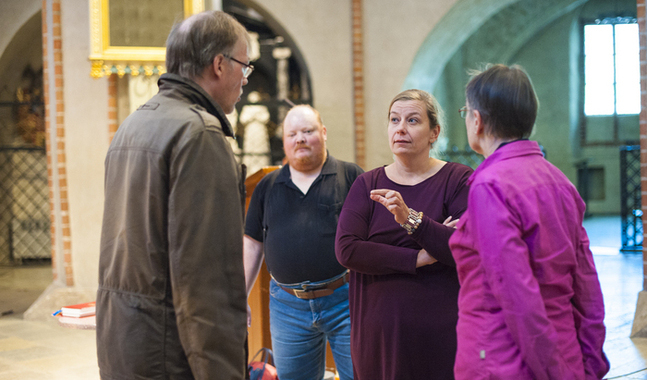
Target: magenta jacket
530, 304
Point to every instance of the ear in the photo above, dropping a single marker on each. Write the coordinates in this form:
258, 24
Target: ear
324, 132
434, 135
478, 123
218, 65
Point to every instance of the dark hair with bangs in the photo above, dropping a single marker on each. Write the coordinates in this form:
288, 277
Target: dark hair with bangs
195, 42
506, 100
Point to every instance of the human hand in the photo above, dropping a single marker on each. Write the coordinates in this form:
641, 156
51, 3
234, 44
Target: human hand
424, 258
249, 316
450, 223
393, 202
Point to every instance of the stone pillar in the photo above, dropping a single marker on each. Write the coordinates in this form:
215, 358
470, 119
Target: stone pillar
256, 143
281, 55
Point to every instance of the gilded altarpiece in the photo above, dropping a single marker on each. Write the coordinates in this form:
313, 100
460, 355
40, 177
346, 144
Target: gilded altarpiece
128, 37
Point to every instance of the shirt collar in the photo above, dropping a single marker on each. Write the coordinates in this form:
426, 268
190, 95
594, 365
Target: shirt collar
518, 149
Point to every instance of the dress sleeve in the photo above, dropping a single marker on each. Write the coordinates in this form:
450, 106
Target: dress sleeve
352, 247
506, 264
205, 233
434, 236
588, 311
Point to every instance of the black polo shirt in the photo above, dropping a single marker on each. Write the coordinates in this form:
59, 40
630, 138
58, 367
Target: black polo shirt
298, 230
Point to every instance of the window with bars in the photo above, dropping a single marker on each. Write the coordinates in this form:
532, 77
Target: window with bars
611, 67
610, 82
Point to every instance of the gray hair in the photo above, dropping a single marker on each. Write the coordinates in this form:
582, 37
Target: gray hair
195, 42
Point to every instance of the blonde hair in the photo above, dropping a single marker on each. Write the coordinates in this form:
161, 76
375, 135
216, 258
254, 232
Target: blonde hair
434, 112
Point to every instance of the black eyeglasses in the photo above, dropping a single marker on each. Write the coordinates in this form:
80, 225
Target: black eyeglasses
463, 112
247, 68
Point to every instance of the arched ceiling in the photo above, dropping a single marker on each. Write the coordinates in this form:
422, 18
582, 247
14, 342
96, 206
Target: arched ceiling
500, 27
13, 15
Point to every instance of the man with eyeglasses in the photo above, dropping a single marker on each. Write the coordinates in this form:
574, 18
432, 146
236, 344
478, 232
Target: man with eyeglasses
171, 301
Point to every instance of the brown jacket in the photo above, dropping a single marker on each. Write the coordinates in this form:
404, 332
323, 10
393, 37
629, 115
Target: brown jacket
171, 302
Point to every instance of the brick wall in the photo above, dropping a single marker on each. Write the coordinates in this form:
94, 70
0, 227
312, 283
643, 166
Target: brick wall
112, 106
55, 142
358, 84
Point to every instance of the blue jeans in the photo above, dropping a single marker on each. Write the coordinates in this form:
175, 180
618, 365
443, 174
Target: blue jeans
300, 329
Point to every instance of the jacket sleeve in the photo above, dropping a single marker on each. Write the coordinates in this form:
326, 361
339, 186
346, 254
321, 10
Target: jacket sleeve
205, 233
588, 312
506, 265
351, 246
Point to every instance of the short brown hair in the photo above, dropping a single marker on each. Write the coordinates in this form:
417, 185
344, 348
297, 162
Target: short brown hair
195, 42
434, 112
506, 100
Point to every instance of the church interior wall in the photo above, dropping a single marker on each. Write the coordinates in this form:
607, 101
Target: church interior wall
22, 51
396, 39
552, 56
322, 32
13, 15
86, 136
549, 73
392, 37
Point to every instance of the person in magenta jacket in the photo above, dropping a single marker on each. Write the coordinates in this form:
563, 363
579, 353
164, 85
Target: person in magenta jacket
530, 304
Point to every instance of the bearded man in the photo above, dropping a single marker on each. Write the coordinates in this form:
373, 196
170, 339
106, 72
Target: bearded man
292, 221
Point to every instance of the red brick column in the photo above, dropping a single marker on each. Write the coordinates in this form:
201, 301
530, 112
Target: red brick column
358, 85
112, 106
55, 142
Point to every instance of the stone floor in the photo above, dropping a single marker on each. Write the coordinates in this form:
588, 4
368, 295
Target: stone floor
32, 350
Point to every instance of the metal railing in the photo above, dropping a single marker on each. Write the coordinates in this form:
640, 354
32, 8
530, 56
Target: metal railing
464, 156
630, 199
24, 205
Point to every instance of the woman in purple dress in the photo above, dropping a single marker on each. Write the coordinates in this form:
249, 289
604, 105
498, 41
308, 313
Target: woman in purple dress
393, 235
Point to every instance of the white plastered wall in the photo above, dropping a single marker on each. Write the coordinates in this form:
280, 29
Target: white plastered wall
86, 141
322, 32
393, 33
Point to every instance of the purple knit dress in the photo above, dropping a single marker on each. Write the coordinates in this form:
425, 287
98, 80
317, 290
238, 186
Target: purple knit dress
403, 319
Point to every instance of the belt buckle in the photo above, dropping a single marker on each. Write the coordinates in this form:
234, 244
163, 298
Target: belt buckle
298, 293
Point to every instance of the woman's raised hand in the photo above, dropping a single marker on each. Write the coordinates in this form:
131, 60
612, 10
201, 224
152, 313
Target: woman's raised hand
393, 202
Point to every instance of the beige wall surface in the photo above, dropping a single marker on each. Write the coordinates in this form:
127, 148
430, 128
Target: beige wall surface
393, 34
86, 141
322, 32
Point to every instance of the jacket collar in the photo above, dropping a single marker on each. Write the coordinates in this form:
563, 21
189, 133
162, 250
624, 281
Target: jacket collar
515, 149
196, 95
329, 167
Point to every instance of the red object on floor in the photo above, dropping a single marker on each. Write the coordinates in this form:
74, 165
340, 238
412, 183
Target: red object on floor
256, 371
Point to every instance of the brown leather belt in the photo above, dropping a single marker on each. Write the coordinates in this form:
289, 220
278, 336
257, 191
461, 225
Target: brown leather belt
324, 290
